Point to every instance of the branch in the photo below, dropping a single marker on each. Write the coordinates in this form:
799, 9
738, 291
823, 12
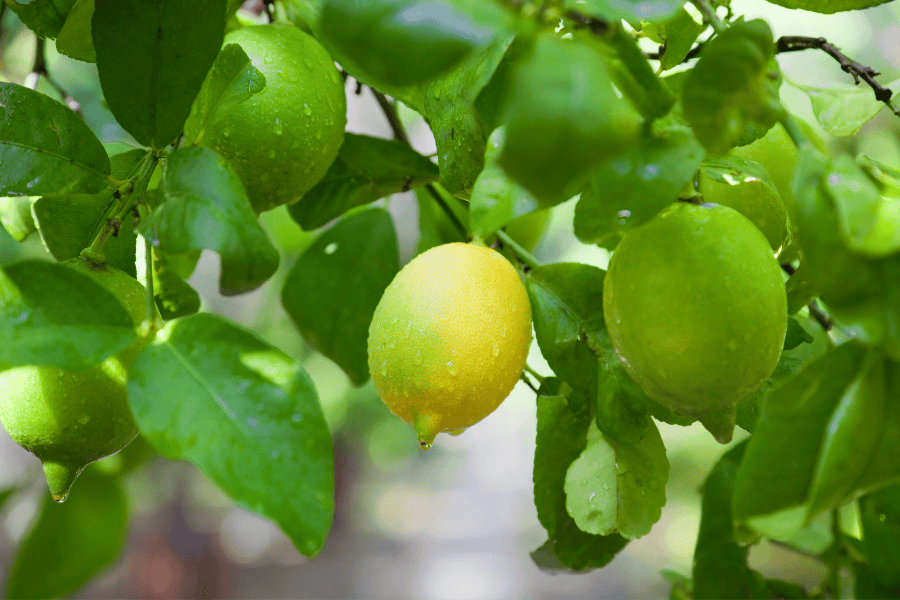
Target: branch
40, 68
694, 53
582, 21
796, 43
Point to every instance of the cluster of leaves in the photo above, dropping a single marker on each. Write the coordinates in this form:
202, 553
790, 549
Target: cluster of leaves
531, 104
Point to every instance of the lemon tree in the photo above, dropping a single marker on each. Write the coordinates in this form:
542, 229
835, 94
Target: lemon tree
449, 338
712, 265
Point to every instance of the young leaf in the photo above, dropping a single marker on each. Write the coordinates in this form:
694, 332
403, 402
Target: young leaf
677, 36
44, 17
630, 10
206, 207
51, 314
15, 216
729, 88
496, 199
72, 542
880, 520
252, 424
561, 436
51, 147
558, 129
365, 170
566, 301
149, 78
828, 6
615, 487
843, 111
374, 37
720, 563
796, 335
331, 294
231, 80
75, 39
629, 190
173, 296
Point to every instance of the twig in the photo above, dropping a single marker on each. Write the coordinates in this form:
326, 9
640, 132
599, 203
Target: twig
834, 568
390, 112
709, 15
530, 261
860, 72
821, 318
582, 21
39, 68
694, 53
529, 383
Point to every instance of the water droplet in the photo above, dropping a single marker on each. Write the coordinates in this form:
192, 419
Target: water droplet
330, 248
425, 445
252, 422
296, 417
605, 487
418, 358
278, 128
83, 419
451, 368
307, 110
495, 350
383, 368
653, 483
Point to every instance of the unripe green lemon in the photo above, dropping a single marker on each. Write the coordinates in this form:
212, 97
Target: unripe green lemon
449, 338
696, 310
70, 418
282, 140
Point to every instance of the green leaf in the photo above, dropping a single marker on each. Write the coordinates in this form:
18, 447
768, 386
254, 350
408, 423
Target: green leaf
75, 39
149, 77
231, 80
365, 170
448, 105
206, 207
173, 296
15, 216
566, 303
729, 87
374, 37
45, 147
253, 424
628, 191
843, 111
71, 542
630, 10
677, 36
615, 487
833, 420
796, 335
496, 199
435, 227
315, 293
50, 314
880, 520
720, 563
868, 586
44, 17
558, 129
561, 436
870, 223
748, 410
828, 6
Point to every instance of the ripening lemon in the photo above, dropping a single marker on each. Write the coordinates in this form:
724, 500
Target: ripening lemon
697, 311
282, 140
449, 338
70, 418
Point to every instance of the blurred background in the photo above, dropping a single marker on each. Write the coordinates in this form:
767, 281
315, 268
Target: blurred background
457, 521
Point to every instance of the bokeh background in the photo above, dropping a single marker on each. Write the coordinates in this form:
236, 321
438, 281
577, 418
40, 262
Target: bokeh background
457, 521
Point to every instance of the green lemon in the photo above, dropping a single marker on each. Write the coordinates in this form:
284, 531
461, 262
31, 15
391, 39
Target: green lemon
282, 140
449, 338
67, 418
696, 310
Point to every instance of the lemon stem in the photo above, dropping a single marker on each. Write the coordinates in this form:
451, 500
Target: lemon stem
534, 373
519, 251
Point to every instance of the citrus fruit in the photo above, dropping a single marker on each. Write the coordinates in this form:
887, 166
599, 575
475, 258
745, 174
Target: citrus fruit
70, 418
282, 140
696, 310
449, 338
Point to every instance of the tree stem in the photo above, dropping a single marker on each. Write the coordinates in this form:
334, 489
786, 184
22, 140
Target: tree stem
709, 13
519, 251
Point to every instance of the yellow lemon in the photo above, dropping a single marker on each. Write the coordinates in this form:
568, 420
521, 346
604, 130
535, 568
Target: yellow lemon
449, 338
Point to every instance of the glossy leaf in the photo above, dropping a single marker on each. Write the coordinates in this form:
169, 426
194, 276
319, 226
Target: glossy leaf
720, 562
630, 10
558, 129
75, 39
173, 296
748, 409
496, 199
15, 216
71, 542
843, 111
729, 87
374, 37
828, 6
46, 148
206, 207
331, 294
561, 436
615, 487
629, 190
796, 335
880, 520
149, 79
243, 413
50, 314
365, 170
44, 17
231, 80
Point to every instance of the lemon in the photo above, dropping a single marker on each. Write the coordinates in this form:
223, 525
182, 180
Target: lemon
70, 418
449, 338
282, 140
696, 310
